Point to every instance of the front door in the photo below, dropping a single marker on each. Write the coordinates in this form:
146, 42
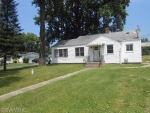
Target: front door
96, 54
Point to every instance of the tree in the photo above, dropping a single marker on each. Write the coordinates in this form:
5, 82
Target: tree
145, 50
9, 29
144, 40
31, 43
68, 19
41, 5
75, 18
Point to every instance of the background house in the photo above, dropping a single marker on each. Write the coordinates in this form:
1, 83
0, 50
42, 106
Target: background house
30, 55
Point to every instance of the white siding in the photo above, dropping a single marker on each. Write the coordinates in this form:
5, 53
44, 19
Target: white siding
118, 55
71, 55
135, 56
109, 58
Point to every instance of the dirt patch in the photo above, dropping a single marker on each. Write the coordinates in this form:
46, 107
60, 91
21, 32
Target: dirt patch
119, 102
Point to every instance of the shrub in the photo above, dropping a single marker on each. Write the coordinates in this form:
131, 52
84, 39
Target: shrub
14, 60
1, 61
25, 60
145, 50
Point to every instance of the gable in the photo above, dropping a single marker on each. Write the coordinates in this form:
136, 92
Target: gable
102, 40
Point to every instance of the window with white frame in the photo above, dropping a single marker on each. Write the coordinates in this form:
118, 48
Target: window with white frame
79, 51
110, 49
56, 53
129, 47
61, 53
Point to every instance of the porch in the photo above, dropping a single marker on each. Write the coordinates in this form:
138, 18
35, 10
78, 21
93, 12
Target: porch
95, 56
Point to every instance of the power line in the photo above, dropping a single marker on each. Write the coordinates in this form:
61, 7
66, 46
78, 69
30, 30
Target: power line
146, 35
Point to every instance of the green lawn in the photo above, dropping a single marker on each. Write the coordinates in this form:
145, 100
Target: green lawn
20, 76
118, 90
146, 58
121, 65
18, 65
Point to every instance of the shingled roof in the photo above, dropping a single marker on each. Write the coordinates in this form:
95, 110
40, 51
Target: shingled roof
84, 40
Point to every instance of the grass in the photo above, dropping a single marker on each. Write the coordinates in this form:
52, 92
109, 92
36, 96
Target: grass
120, 65
18, 65
146, 58
117, 90
14, 79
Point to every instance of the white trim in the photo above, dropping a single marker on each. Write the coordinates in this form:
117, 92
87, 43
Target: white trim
129, 50
107, 49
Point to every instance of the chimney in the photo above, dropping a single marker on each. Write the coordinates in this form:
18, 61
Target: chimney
107, 30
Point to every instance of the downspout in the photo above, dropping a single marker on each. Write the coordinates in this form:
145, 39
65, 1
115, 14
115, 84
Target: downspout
120, 53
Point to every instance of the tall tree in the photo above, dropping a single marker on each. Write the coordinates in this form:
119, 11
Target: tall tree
75, 18
9, 29
68, 19
41, 5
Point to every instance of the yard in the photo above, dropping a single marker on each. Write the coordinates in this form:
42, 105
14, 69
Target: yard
19, 75
97, 90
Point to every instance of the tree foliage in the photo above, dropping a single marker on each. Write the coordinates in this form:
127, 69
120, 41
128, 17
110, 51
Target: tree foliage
144, 40
145, 50
72, 18
10, 42
31, 43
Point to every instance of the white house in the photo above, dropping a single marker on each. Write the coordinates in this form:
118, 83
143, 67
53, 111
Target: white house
117, 47
30, 55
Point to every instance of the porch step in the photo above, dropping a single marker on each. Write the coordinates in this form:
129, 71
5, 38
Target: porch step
92, 65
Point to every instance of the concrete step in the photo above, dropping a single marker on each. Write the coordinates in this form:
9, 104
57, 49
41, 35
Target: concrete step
92, 65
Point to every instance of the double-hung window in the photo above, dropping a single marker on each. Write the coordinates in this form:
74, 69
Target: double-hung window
61, 53
129, 47
79, 51
110, 49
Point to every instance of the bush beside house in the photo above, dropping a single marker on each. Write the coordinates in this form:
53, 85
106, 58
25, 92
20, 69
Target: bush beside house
15, 61
145, 50
25, 60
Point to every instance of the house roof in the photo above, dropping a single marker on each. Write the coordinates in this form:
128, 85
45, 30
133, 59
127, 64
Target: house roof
84, 40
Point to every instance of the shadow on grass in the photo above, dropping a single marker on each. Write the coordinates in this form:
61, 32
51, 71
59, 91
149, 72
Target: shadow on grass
6, 81
9, 76
20, 68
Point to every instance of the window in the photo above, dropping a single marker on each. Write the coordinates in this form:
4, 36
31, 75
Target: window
61, 53
110, 49
65, 52
55, 53
79, 51
95, 48
129, 47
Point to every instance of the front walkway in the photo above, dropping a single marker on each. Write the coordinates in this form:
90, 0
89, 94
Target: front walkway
17, 92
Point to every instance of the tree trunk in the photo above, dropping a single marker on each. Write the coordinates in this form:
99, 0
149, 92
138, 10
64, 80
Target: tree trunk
42, 32
5, 56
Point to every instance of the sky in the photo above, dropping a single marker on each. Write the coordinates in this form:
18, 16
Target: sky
138, 14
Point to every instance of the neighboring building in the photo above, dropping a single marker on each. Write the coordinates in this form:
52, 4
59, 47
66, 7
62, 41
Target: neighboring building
117, 47
145, 44
30, 55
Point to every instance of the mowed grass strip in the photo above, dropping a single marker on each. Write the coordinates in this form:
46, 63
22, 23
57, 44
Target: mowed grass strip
14, 79
93, 91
